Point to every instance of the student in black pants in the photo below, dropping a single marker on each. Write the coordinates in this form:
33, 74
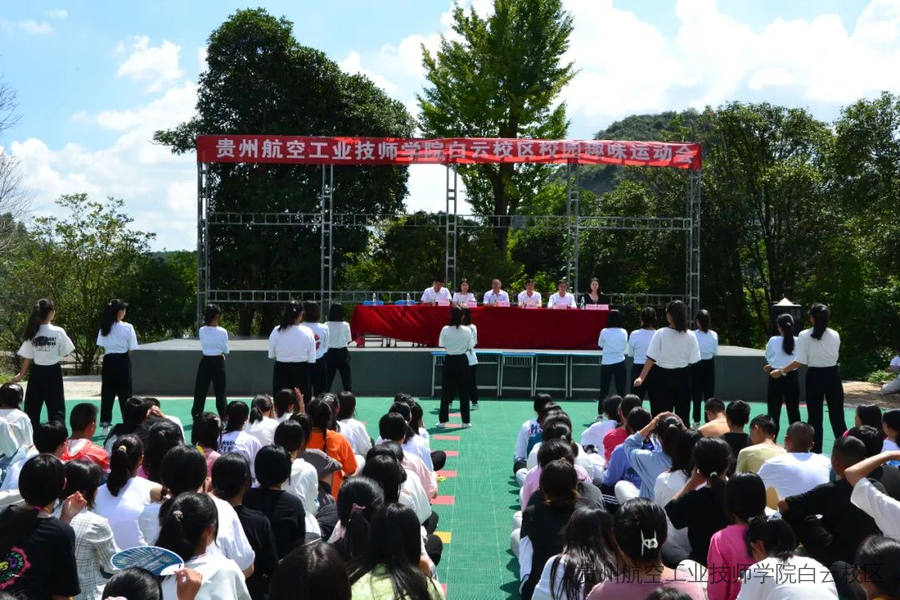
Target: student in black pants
672, 350
818, 348
703, 372
338, 356
613, 344
472, 358
44, 346
214, 341
785, 389
638, 342
117, 338
293, 346
456, 339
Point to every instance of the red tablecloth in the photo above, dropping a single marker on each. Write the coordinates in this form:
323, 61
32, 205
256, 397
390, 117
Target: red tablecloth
498, 327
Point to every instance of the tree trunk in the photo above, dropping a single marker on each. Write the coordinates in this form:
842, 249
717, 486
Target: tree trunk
245, 320
501, 207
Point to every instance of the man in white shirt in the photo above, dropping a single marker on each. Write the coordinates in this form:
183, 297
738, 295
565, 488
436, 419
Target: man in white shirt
798, 470
883, 509
893, 386
528, 297
495, 294
561, 299
436, 293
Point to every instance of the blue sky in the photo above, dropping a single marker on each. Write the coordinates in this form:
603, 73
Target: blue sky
94, 79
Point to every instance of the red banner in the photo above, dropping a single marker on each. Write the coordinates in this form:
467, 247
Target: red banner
306, 150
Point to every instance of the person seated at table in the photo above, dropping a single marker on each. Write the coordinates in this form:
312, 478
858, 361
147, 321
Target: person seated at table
529, 297
594, 295
462, 296
561, 299
495, 294
436, 293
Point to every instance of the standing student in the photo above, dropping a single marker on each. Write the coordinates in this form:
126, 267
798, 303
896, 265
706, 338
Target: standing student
457, 340
319, 374
45, 345
117, 338
561, 299
818, 348
529, 297
672, 350
293, 347
785, 389
338, 356
613, 343
472, 358
638, 342
214, 340
594, 295
463, 296
703, 372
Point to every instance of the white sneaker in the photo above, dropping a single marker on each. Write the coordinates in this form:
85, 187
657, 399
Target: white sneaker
465, 425
442, 425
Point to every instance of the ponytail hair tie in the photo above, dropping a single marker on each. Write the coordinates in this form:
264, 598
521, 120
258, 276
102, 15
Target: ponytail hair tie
178, 515
713, 474
356, 508
122, 448
648, 543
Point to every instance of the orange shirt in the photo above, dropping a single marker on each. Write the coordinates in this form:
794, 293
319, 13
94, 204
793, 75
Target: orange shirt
85, 449
338, 448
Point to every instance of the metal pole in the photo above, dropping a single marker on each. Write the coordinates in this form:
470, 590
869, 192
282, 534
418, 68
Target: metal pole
450, 230
326, 245
201, 275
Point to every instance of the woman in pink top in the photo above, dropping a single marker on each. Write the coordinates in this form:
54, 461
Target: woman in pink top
729, 556
549, 451
205, 436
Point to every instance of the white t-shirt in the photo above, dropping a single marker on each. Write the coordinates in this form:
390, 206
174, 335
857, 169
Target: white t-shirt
418, 446
221, 579
456, 340
895, 364
668, 483
429, 296
304, 483
593, 435
795, 473
708, 342
263, 430
525, 300
557, 301
464, 299
412, 494
776, 357
542, 589
613, 342
11, 478
17, 426
296, 344
120, 340
883, 509
356, 434
214, 340
242, 443
123, 511
338, 334
48, 345
320, 333
797, 578
818, 353
491, 298
638, 342
671, 349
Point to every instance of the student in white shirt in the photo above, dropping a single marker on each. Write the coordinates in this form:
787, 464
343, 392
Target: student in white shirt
703, 372
562, 299
188, 525
436, 293
495, 295
798, 470
818, 349
117, 338
17, 431
234, 438
883, 509
529, 297
638, 342
893, 386
672, 350
262, 422
351, 428
785, 389
44, 346
338, 356
472, 358
457, 340
293, 347
613, 343
318, 376
214, 341
463, 296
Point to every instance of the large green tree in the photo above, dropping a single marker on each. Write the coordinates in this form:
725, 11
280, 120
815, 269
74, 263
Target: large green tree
500, 78
261, 80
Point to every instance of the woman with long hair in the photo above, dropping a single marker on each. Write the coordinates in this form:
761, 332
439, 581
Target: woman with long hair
462, 296
681, 444
214, 344
613, 344
818, 348
361, 498
638, 343
594, 295
703, 372
457, 341
293, 346
117, 338
163, 436
205, 436
338, 356
472, 358
332, 443
234, 438
262, 419
44, 346
786, 389
390, 567
588, 557
318, 376
672, 351
314, 571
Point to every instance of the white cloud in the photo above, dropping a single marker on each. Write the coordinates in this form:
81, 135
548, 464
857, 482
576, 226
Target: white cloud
201, 59
32, 27
57, 13
155, 66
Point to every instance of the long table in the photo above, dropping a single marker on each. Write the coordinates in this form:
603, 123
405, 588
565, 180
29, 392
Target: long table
498, 326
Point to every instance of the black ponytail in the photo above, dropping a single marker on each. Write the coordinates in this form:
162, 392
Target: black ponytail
39, 314
262, 403
786, 323
291, 311
360, 498
320, 416
236, 414
703, 320
110, 315
678, 311
819, 314
183, 520
123, 462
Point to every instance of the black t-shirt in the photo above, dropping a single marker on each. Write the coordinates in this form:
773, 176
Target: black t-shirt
737, 441
601, 299
889, 477
545, 526
50, 555
703, 514
285, 513
262, 539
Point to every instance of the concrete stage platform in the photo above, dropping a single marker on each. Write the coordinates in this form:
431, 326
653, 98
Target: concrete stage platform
169, 368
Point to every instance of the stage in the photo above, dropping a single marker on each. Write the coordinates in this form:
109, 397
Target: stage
168, 368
